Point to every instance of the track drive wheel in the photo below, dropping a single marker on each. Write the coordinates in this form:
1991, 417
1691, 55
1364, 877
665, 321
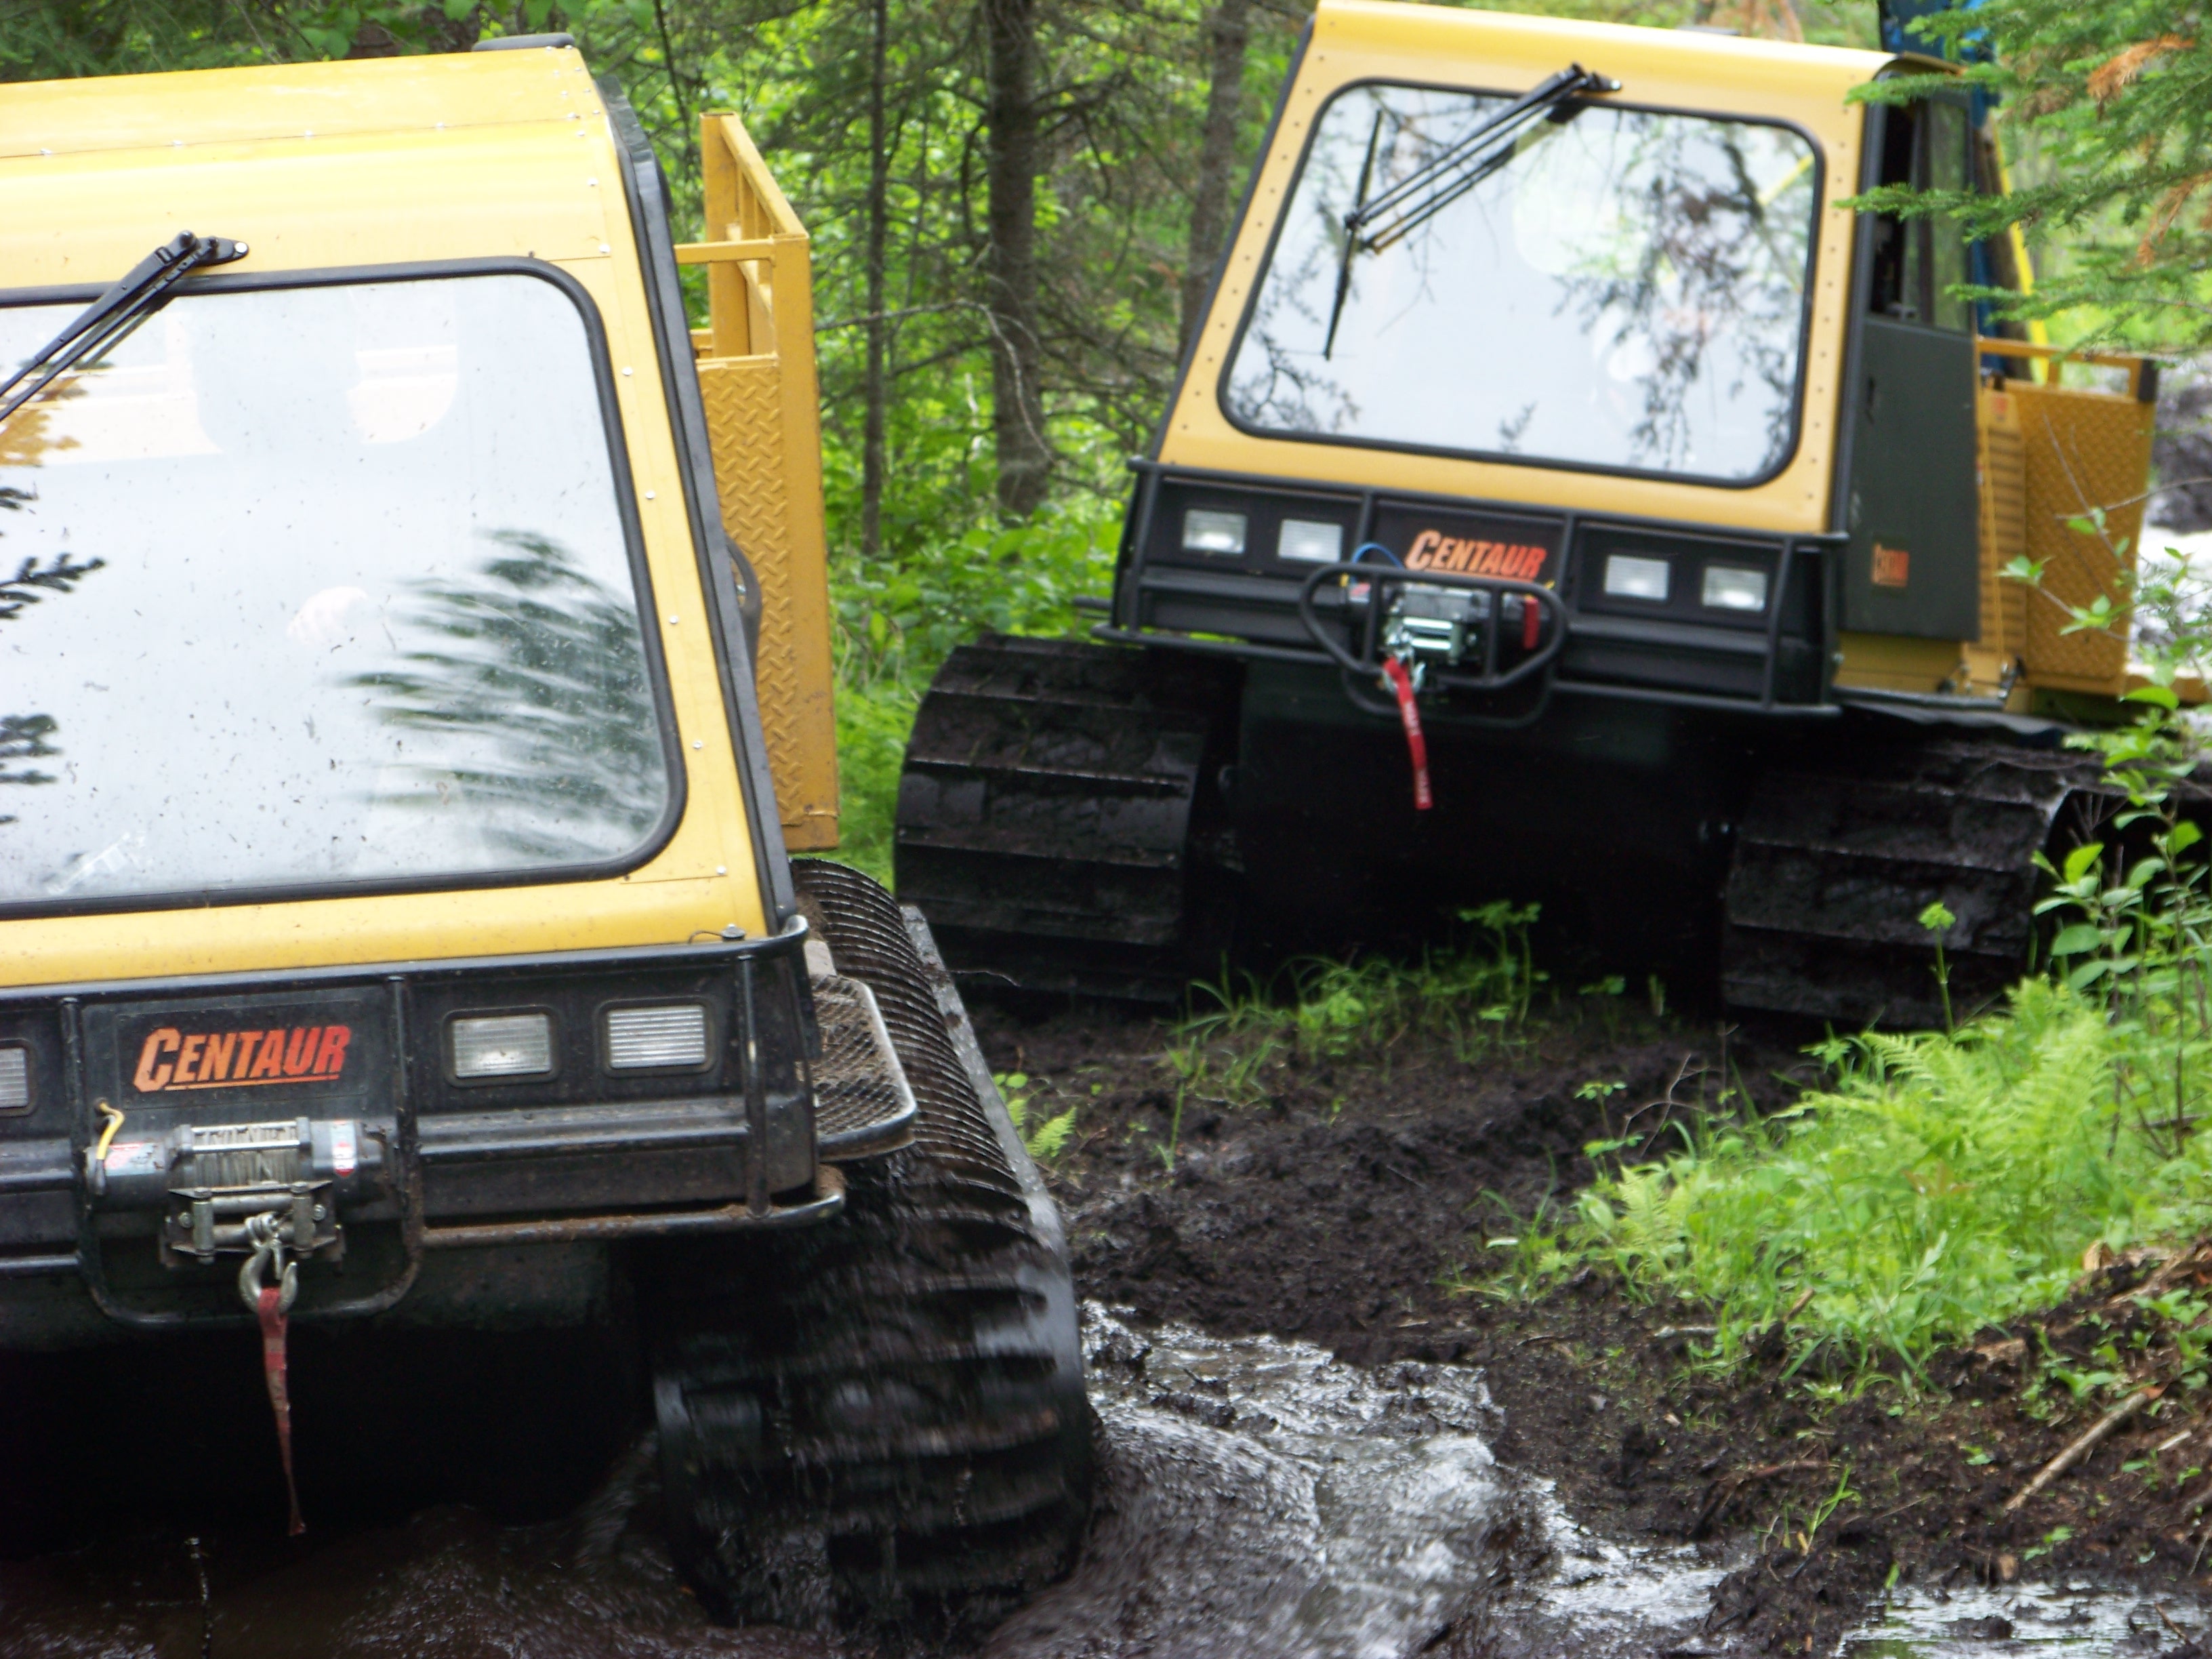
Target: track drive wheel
881, 1419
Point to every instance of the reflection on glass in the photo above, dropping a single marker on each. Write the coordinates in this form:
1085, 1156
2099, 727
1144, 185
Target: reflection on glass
363, 611
1627, 291
521, 699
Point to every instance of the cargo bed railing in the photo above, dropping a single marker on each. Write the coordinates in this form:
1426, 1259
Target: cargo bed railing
756, 362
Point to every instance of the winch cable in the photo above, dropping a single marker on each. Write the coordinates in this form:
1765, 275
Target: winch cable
272, 1304
1409, 716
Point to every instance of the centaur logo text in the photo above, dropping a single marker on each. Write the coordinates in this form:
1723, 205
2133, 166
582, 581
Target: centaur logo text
171, 1059
1516, 561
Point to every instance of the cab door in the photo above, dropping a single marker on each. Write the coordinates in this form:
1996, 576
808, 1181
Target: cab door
1911, 502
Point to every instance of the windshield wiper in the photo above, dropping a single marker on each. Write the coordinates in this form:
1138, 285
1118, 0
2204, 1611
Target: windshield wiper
1390, 217
115, 313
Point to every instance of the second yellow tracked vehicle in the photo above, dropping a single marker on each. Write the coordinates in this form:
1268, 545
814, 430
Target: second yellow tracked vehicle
1567, 497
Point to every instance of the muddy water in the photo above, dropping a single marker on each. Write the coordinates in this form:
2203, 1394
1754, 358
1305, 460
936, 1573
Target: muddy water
1256, 1498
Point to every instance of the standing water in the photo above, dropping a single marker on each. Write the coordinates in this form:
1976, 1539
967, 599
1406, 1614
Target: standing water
1256, 1498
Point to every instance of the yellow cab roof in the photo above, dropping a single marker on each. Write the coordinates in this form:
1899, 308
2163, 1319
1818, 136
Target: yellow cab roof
283, 103
1644, 59
366, 162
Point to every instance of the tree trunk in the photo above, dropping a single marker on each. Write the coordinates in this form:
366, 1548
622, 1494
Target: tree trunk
1012, 157
1230, 28
874, 459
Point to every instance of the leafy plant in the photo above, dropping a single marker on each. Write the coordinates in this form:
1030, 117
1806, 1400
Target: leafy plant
1049, 1138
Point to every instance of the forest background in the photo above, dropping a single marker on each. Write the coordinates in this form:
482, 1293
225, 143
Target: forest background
1016, 207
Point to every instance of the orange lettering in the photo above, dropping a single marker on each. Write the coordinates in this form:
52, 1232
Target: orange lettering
247, 1042
300, 1051
188, 1063
330, 1060
272, 1063
1425, 547
151, 1077
216, 1067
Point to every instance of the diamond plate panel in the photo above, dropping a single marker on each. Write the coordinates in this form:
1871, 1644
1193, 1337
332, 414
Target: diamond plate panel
2083, 449
752, 474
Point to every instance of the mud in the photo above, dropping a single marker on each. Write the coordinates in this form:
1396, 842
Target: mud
1318, 1437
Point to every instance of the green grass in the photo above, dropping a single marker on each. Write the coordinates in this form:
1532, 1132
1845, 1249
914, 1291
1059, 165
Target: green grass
1939, 1185
1228, 1048
873, 719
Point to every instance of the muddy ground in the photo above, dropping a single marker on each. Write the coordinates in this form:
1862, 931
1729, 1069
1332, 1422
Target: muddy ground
1351, 1207
1347, 1205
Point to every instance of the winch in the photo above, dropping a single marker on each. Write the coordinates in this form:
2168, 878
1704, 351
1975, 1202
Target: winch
214, 1182
1429, 623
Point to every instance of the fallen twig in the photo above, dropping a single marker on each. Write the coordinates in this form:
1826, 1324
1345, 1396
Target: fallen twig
2089, 1441
1668, 1332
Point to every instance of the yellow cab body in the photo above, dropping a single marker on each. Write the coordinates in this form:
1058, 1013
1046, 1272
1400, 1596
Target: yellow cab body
390, 845
1645, 359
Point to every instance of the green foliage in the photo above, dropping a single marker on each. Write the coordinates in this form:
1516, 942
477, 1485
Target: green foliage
1049, 1138
1940, 1184
2110, 108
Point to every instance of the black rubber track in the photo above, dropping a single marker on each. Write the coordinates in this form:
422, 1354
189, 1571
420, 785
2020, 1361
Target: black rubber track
1836, 861
1056, 802
880, 1420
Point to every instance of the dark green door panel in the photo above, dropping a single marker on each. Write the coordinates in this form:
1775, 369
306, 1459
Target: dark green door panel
1913, 565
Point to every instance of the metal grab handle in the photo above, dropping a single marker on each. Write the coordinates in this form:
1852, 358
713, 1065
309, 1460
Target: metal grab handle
1369, 664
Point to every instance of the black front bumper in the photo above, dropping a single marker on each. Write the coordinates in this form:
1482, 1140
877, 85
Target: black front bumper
164, 1113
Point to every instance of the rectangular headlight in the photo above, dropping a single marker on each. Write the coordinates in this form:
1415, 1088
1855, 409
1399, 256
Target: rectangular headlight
1731, 587
1310, 540
1629, 578
1212, 533
640, 1039
14, 1079
502, 1045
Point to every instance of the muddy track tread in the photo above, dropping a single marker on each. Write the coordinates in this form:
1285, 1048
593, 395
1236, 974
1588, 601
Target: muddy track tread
870, 1420
1835, 865
1046, 809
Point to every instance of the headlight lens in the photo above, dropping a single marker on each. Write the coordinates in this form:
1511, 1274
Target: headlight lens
1212, 533
1731, 587
640, 1039
502, 1045
1629, 578
1310, 540
14, 1079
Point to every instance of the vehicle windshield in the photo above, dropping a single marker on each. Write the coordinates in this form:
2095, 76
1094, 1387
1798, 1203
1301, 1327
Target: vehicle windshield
319, 586
1627, 292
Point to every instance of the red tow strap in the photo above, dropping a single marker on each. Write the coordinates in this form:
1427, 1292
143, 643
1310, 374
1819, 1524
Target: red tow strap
1410, 717
273, 1324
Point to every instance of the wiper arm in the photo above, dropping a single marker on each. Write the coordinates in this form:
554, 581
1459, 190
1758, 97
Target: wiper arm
1390, 217
115, 313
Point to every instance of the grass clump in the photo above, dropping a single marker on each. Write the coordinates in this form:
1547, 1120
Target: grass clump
1940, 1184
1228, 1048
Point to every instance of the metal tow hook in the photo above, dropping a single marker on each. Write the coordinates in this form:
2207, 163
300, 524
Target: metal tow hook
262, 1233
269, 1304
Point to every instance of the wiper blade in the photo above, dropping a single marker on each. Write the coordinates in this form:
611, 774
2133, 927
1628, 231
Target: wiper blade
115, 313
1390, 217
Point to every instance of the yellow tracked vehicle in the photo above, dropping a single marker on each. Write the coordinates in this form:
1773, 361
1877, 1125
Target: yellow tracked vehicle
1566, 497
414, 660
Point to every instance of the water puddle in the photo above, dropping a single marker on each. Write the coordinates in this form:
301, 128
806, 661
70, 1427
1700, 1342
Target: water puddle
2066, 1620
1260, 1497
